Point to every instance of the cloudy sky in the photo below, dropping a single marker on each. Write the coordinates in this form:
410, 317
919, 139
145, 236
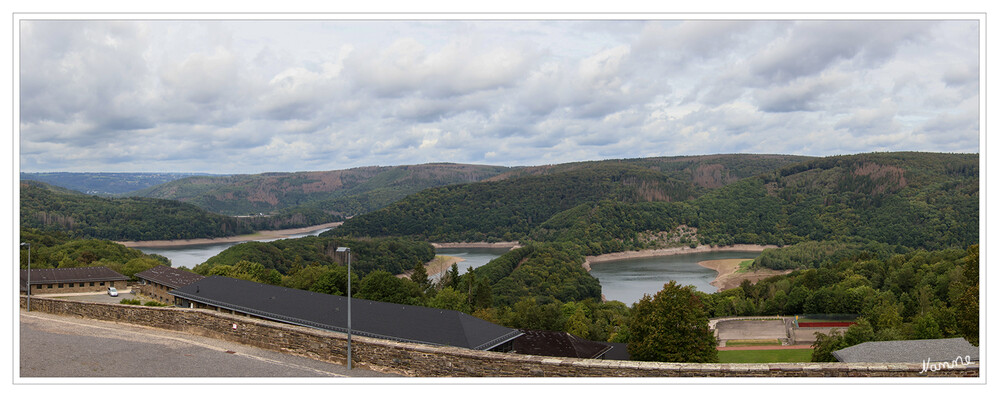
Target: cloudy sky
257, 96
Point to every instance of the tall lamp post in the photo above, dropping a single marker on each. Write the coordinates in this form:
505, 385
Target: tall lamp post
347, 250
29, 273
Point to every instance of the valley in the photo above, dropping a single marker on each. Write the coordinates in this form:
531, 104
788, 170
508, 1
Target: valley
574, 246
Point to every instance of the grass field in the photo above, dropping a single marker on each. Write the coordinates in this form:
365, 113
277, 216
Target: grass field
765, 356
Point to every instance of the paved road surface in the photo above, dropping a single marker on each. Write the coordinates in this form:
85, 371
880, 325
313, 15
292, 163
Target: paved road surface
68, 347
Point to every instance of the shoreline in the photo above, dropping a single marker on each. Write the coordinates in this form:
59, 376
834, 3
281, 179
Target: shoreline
439, 264
481, 244
729, 276
260, 235
614, 256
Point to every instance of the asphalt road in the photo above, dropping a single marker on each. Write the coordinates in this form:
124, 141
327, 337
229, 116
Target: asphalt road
70, 347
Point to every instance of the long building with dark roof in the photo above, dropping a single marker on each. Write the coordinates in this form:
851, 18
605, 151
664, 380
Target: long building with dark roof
160, 280
382, 320
72, 280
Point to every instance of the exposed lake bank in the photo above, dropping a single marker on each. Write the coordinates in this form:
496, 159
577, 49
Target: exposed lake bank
616, 256
623, 273
481, 244
729, 275
260, 235
439, 264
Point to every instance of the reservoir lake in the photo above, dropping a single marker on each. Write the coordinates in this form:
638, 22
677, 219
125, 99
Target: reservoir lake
192, 255
627, 280
473, 257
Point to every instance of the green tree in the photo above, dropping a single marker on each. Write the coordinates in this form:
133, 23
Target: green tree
825, 344
577, 323
967, 315
304, 278
672, 326
420, 277
482, 294
137, 265
926, 327
527, 313
247, 270
334, 282
450, 277
450, 299
382, 286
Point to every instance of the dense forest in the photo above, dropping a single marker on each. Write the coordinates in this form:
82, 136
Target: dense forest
916, 200
391, 254
53, 249
509, 209
133, 218
80, 215
922, 200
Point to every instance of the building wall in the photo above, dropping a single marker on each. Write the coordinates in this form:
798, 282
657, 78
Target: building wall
157, 291
423, 360
77, 287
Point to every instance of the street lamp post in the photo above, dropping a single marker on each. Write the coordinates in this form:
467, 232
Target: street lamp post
29, 274
347, 250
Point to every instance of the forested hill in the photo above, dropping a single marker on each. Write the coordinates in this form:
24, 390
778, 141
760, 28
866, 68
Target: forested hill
509, 206
338, 193
927, 200
45, 207
708, 171
918, 200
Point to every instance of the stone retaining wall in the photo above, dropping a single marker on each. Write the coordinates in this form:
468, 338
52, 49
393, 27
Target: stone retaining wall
424, 360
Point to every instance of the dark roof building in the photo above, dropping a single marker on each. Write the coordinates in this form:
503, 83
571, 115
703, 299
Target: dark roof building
168, 276
75, 277
564, 344
369, 318
909, 351
160, 280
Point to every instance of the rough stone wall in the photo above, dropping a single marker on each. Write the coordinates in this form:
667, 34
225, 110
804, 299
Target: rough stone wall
425, 360
159, 292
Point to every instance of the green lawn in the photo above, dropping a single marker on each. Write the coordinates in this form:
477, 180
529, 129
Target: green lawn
765, 356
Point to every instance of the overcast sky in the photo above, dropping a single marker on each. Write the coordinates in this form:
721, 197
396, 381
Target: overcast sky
259, 96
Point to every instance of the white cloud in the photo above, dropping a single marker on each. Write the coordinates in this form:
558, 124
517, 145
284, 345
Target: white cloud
256, 96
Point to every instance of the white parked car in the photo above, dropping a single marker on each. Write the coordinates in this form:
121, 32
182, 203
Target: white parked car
112, 291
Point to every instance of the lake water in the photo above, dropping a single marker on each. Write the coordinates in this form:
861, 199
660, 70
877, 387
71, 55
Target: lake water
193, 255
624, 280
627, 280
474, 257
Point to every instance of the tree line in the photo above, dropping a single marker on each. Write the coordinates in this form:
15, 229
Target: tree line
50, 250
134, 218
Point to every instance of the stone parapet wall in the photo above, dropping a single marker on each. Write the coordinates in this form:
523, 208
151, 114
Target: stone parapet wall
424, 360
